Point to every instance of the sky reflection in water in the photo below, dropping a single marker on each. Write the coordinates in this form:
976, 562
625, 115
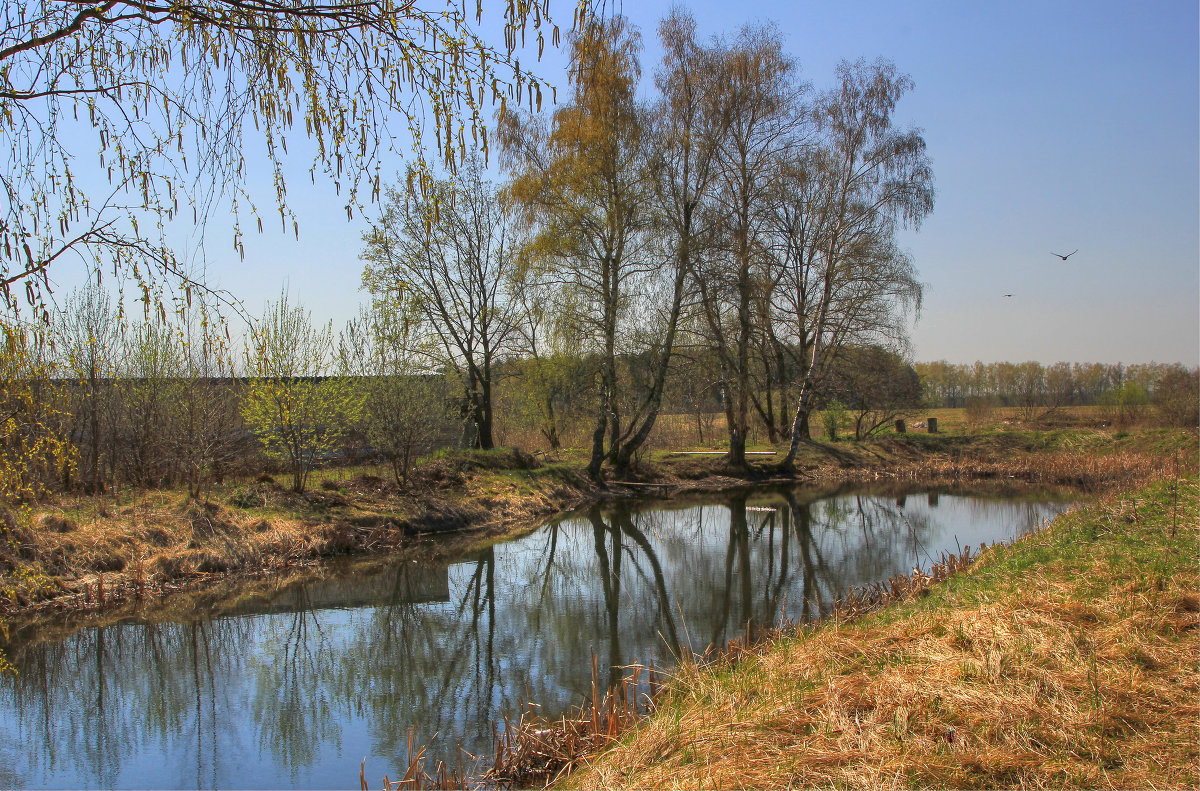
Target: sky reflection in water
294, 690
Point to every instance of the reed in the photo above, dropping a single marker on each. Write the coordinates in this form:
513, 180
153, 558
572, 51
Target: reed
1087, 471
535, 752
416, 777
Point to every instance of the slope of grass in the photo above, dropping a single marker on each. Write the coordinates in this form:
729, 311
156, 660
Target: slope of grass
1068, 659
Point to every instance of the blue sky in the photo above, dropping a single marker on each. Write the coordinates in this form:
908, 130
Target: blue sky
1052, 126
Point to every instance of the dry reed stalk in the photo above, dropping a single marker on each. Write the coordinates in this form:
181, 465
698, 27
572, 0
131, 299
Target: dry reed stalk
536, 752
1080, 470
415, 777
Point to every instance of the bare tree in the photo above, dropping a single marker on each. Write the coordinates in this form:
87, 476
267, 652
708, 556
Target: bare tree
875, 179
452, 255
404, 402
682, 167
579, 180
88, 335
758, 99
151, 372
207, 425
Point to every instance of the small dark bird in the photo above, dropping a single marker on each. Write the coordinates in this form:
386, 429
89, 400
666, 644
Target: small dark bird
1008, 295
1065, 257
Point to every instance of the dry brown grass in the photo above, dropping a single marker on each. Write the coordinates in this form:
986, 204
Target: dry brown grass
1067, 661
89, 553
1120, 469
535, 752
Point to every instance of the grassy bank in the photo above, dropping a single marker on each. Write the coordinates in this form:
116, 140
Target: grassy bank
90, 552
1068, 659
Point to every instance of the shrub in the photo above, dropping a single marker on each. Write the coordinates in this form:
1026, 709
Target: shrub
980, 409
1123, 405
833, 416
1177, 397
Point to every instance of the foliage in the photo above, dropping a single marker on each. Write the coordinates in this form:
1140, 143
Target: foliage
1124, 404
166, 93
1036, 388
980, 409
876, 385
35, 451
833, 417
1177, 396
578, 180
550, 389
151, 385
297, 411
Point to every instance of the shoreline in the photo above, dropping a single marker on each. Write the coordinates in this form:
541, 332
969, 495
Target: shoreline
144, 551
1066, 658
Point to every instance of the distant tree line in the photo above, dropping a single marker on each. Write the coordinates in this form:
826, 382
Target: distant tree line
1036, 389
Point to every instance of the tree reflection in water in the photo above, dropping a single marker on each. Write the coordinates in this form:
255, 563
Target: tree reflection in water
298, 687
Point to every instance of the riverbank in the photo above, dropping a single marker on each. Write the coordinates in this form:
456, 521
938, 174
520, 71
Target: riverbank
91, 553
1067, 659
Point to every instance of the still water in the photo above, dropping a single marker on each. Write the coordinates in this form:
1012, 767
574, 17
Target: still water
296, 687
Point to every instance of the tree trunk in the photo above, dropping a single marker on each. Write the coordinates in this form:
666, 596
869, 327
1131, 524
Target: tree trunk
631, 444
598, 439
484, 415
484, 409
805, 431
550, 430
737, 438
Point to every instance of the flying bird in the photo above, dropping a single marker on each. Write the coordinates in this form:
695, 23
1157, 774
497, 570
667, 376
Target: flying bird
1008, 295
1065, 257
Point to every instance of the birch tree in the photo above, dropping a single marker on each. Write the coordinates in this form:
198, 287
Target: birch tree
873, 179
579, 180
758, 96
451, 255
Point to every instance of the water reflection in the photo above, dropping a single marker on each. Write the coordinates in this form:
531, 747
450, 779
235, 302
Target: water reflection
298, 686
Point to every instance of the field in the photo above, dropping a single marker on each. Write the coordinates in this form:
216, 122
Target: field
707, 431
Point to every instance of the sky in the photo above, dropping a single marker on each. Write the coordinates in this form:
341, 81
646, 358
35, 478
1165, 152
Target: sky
1052, 126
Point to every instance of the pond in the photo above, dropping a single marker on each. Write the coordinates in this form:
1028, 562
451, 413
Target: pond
294, 688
